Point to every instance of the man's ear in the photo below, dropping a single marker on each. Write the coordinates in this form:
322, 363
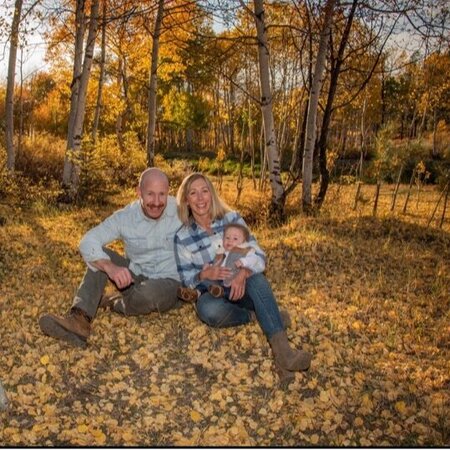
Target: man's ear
138, 191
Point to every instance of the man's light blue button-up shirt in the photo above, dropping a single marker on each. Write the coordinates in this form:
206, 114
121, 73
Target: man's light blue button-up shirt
149, 243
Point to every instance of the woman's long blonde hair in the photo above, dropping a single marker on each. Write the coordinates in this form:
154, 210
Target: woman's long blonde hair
218, 207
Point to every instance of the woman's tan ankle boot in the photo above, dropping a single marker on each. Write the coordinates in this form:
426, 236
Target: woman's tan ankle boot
286, 357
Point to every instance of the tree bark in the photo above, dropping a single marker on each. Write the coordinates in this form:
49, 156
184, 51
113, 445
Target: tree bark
75, 88
276, 209
99, 103
313, 106
322, 144
9, 100
153, 82
72, 180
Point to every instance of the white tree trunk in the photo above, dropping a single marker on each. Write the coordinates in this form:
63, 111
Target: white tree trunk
80, 21
101, 78
153, 83
74, 174
9, 100
316, 86
270, 141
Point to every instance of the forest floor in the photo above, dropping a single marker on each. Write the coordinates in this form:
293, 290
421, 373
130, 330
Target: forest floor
369, 297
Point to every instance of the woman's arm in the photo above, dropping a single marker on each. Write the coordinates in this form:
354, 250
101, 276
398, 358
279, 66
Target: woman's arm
192, 272
188, 271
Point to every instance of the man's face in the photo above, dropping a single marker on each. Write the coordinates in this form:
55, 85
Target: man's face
153, 195
232, 238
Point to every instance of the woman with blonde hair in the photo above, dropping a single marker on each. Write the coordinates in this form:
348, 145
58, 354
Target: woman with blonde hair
204, 216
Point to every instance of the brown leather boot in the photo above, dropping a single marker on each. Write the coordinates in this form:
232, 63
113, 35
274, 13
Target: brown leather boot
187, 294
216, 290
74, 327
285, 377
108, 301
285, 318
286, 357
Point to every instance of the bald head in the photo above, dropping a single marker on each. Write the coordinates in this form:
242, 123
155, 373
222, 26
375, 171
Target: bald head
153, 190
153, 174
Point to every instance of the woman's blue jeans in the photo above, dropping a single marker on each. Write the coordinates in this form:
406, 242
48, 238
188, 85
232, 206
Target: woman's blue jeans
220, 312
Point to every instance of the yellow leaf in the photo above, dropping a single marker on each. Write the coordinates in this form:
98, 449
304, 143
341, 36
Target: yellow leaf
401, 407
324, 396
99, 436
216, 396
45, 360
196, 416
303, 424
82, 428
128, 437
314, 439
358, 422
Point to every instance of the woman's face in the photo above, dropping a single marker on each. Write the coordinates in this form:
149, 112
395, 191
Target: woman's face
199, 198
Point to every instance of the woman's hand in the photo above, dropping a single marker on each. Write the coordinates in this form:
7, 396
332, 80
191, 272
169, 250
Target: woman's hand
237, 287
211, 272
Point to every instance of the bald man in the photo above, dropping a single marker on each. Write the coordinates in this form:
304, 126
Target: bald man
146, 277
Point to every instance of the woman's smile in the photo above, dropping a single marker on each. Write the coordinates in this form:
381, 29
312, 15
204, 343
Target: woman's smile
199, 198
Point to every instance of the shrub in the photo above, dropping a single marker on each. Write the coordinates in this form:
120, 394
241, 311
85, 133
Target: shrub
41, 158
18, 188
176, 170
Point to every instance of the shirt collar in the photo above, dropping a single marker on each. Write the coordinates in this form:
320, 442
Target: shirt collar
196, 229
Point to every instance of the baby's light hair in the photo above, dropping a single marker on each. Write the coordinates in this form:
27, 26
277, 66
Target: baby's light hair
238, 226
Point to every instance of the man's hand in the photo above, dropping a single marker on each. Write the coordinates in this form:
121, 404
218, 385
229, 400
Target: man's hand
120, 276
237, 286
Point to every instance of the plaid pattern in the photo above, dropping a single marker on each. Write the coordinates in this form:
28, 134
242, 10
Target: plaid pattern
194, 247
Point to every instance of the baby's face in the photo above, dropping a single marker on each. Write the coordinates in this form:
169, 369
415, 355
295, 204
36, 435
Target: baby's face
232, 238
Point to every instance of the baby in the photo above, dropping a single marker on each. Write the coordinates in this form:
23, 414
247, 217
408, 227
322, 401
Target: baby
236, 253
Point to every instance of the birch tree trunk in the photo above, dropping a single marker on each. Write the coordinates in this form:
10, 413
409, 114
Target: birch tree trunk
21, 118
276, 209
9, 100
153, 82
99, 103
316, 86
74, 87
71, 183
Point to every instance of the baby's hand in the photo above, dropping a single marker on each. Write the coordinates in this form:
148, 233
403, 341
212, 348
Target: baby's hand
238, 263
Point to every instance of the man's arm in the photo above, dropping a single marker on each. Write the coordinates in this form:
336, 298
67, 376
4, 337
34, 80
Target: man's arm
91, 248
121, 276
92, 243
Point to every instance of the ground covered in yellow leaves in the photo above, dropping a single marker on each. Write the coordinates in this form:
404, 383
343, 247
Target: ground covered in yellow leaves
369, 297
